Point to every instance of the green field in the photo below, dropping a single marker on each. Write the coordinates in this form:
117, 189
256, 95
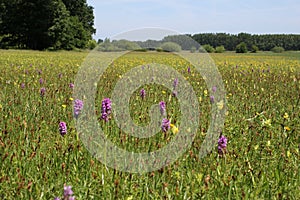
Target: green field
262, 126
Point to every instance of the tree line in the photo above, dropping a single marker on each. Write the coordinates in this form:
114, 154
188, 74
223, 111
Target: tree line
264, 42
209, 42
46, 24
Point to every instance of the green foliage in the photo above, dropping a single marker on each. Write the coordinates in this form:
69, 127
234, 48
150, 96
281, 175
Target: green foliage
186, 42
149, 44
41, 24
118, 45
264, 42
159, 49
193, 50
277, 49
241, 48
207, 48
91, 44
99, 41
254, 49
126, 45
220, 49
170, 47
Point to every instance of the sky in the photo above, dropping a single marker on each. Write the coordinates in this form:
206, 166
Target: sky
162, 17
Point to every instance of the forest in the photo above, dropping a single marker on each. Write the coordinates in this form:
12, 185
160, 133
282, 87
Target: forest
46, 24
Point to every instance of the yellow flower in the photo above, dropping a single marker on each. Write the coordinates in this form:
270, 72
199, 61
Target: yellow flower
205, 92
287, 128
64, 106
130, 198
71, 99
288, 153
175, 130
177, 174
266, 122
268, 143
164, 92
286, 116
220, 105
199, 177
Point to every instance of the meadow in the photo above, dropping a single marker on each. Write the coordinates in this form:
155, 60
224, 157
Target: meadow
262, 127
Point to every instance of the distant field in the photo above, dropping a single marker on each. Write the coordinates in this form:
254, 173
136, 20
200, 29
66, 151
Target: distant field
262, 126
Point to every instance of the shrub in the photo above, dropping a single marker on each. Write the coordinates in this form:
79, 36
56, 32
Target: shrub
277, 49
159, 49
206, 48
193, 49
91, 44
126, 45
254, 49
241, 48
170, 47
220, 49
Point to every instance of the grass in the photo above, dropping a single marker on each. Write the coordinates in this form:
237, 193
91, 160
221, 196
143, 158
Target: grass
262, 127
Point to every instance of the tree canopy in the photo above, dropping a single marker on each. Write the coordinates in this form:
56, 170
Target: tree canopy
264, 42
42, 24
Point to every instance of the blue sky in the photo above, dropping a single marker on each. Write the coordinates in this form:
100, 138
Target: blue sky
196, 16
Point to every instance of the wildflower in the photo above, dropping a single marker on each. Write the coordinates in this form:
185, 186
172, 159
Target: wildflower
205, 92
71, 85
162, 105
189, 70
22, 85
130, 198
106, 109
288, 154
286, 116
63, 128
214, 88
42, 92
41, 81
143, 93
175, 83
287, 128
222, 144
71, 99
266, 122
78, 107
174, 93
71, 198
67, 191
56, 198
174, 129
165, 125
212, 99
220, 105
64, 105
